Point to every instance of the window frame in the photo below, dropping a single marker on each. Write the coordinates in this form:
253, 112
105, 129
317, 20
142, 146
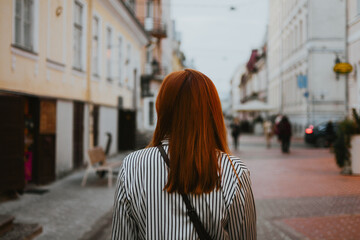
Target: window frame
96, 67
109, 47
34, 29
83, 44
78, 29
128, 64
120, 56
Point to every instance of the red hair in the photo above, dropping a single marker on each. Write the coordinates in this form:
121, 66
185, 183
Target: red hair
190, 115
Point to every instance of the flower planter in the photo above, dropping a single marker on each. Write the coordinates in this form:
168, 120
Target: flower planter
355, 154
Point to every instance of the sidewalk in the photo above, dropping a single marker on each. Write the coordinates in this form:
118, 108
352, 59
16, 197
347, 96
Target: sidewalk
67, 210
301, 195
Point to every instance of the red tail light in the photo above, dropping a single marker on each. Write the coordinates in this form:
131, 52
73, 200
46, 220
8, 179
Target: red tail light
308, 131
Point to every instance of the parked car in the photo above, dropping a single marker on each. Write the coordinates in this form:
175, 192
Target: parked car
319, 136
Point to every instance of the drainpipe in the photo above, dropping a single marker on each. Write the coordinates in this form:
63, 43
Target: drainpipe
89, 73
346, 60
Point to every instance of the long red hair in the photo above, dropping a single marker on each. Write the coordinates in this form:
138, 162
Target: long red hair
190, 116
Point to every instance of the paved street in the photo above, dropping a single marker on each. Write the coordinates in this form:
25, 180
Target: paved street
301, 195
67, 211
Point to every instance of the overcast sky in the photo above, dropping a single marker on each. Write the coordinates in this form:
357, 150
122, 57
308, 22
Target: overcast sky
217, 38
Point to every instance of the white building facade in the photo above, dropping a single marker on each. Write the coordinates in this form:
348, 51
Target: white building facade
353, 48
304, 39
235, 93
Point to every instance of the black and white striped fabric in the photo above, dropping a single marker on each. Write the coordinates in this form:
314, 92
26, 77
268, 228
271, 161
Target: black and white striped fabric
143, 210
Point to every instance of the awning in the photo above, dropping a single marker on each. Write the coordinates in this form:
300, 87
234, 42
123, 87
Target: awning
253, 106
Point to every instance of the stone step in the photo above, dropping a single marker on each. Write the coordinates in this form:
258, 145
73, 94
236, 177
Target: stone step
22, 231
6, 223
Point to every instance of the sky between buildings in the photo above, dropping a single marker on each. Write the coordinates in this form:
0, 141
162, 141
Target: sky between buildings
218, 38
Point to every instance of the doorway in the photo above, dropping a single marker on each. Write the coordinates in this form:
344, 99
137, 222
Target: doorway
78, 135
12, 143
127, 129
96, 125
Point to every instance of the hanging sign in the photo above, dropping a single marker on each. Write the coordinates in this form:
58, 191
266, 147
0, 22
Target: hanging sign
302, 81
343, 67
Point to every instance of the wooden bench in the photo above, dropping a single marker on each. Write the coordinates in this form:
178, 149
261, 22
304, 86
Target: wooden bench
97, 162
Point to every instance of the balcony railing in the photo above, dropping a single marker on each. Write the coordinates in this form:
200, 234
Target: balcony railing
156, 70
154, 26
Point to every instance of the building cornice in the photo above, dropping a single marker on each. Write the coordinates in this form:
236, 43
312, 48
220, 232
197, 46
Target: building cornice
120, 10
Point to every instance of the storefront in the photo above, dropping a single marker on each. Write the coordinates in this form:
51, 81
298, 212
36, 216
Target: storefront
27, 141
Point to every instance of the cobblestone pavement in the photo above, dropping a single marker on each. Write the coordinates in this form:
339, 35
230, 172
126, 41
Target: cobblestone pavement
301, 195
68, 210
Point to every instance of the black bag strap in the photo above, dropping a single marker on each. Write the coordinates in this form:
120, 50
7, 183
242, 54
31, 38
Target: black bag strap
202, 233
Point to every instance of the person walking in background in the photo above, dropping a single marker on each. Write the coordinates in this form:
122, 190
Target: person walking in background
186, 174
268, 132
284, 129
330, 133
235, 132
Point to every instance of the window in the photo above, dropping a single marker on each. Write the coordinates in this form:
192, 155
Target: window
151, 113
149, 8
24, 24
108, 53
78, 35
120, 61
301, 33
148, 55
95, 47
128, 65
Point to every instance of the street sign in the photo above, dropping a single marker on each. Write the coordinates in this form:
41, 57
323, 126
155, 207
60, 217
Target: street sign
343, 67
302, 81
306, 94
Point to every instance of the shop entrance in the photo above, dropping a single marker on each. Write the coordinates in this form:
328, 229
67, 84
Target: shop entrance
11, 143
127, 129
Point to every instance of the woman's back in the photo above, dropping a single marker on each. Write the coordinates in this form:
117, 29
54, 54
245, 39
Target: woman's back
143, 210
150, 198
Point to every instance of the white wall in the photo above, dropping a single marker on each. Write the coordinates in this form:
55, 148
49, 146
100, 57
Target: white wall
108, 119
304, 38
64, 136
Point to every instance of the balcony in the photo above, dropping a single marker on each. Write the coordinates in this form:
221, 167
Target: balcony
154, 26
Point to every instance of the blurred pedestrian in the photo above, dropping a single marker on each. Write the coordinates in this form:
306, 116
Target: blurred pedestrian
268, 132
235, 132
185, 185
284, 129
276, 125
330, 133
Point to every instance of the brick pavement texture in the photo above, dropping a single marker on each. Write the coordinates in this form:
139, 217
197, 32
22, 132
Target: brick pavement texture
331, 228
68, 210
301, 195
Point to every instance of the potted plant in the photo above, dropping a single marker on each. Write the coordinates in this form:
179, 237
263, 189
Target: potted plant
347, 145
355, 145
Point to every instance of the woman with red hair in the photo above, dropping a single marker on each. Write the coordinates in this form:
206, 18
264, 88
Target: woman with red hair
185, 185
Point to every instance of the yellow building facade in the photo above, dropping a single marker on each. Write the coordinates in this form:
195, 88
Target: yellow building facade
71, 70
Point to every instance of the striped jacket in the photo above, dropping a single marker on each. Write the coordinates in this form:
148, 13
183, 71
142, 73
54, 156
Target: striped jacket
143, 210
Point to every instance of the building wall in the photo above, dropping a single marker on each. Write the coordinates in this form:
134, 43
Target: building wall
304, 39
108, 124
353, 25
235, 89
48, 70
64, 136
123, 82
